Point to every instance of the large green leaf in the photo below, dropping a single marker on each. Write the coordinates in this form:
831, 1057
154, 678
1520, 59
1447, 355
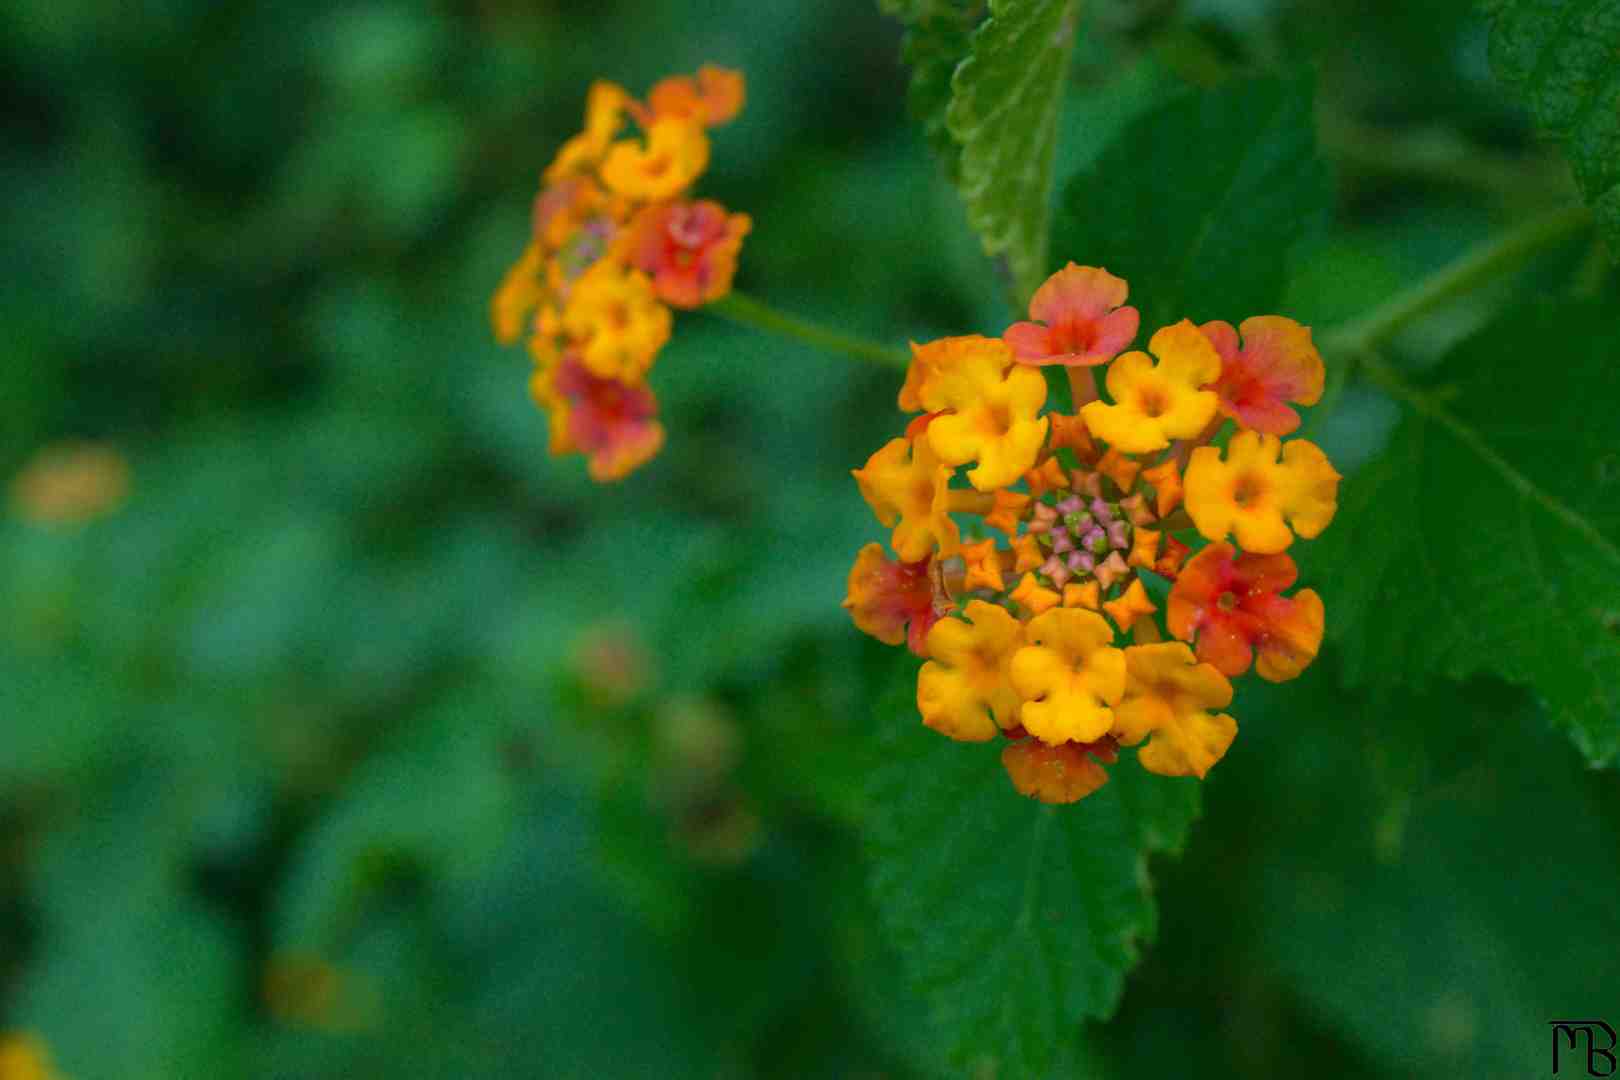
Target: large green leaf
1417, 866
1561, 57
1004, 108
1198, 202
1486, 539
1015, 921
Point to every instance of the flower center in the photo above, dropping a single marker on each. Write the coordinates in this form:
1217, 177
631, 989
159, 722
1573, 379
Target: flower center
1227, 601
1153, 404
1248, 490
998, 418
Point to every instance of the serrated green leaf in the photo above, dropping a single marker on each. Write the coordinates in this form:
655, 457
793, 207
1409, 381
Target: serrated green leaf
1486, 539
938, 38
1198, 202
1560, 55
1006, 97
1015, 922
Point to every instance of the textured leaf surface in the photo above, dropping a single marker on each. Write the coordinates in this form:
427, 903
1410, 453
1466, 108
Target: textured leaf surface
939, 34
1006, 97
1563, 57
1486, 539
1197, 202
1014, 921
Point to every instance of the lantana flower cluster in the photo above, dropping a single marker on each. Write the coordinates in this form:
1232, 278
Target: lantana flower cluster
1037, 625
617, 242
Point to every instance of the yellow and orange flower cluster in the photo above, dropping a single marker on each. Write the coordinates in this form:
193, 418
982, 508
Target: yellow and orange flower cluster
616, 243
1046, 635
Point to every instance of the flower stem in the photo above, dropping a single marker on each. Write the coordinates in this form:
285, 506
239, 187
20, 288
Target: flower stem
1503, 253
746, 311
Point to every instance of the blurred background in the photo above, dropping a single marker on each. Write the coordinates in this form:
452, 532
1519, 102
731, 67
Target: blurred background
346, 734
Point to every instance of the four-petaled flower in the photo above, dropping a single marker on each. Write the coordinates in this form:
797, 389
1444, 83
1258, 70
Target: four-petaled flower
962, 692
893, 601
908, 489
1169, 695
1154, 403
1084, 322
675, 153
1231, 606
1263, 486
1276, 364
689, 250
1069, 676
990, 411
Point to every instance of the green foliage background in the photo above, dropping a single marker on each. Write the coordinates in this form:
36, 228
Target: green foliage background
321, 687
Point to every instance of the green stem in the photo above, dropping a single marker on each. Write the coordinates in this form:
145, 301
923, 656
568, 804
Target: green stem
1508, 251
746, 311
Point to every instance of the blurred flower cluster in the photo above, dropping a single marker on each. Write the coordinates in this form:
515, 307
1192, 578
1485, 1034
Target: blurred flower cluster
1049, 636
24, 1057
616, 243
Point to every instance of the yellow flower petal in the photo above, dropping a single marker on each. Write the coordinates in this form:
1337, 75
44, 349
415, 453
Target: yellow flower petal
675, 154
616, 319
1254, 497
1069, 676
1157, 402
1169, 695
993, 417
907, 488
962, 692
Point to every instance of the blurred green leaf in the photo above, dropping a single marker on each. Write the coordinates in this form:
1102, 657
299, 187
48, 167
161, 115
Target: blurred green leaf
1005, 101
136, 980
1198, 202
1561, 58
1486, 539
438, 804
1014, 921
1439, 884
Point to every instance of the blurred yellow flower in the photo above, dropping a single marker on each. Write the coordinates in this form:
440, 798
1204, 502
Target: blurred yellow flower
70, 484
25, 1057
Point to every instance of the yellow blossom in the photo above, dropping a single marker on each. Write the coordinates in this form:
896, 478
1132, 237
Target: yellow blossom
1154, 403
1169, 695
962, 692
1069, 676
1251, 494
675, 153
617, 321
24, 1057
993, 418
906, 486
70, 484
